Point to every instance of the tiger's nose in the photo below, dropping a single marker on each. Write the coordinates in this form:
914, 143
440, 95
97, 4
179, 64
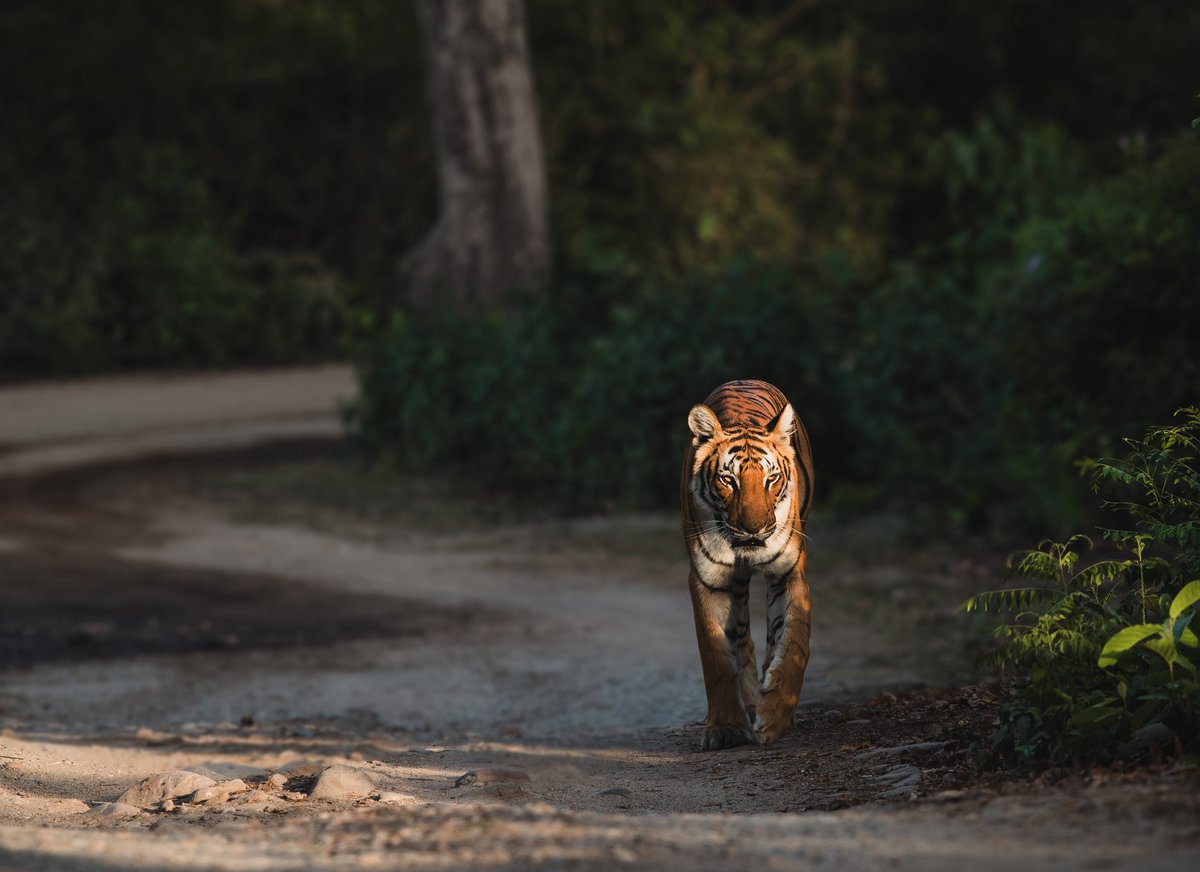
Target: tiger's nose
760, 534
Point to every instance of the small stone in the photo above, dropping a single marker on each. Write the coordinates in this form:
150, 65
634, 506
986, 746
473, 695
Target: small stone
341, 782
904, 789
164, 785
113, 811
278, 779
494, 775
72, 806
390, 797
615, 791
254, 797
897, 774
899, 750
300, 768
294, 796
949, 795
220, 792
168, 805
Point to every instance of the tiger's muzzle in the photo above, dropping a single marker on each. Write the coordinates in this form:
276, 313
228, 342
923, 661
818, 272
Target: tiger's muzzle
745, 539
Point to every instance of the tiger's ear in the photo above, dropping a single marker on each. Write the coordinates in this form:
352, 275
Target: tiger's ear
703, 424
783, 425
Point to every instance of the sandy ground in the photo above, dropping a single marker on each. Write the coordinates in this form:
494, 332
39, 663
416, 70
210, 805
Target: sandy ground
204, 613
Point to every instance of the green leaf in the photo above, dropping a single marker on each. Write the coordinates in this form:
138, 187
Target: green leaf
1188, 637
1005, 600
1164, 647
1185, 598
1124, 640
1094, 716
1179, 626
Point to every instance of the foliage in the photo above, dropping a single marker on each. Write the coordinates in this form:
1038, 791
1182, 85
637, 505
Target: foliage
583, 393
960, 387
1107, 649
687, 134
684, 134
977, 361
184, 184
215, 183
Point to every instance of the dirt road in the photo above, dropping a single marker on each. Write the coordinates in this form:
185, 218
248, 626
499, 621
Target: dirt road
516, 693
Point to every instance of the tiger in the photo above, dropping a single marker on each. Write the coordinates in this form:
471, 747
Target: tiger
746, 490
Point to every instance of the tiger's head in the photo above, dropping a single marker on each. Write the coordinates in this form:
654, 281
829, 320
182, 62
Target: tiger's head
744, 476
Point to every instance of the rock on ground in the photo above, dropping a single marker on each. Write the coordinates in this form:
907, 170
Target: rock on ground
164, 785
220, 792
492, 775
113, 811
342, 782
391, 797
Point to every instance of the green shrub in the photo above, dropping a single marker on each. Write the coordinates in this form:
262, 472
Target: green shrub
187, 186
962, 386
1055, 311
583, 394
144, 277
1105, 650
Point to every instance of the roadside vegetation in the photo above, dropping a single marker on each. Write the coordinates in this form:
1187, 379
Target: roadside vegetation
1102, 652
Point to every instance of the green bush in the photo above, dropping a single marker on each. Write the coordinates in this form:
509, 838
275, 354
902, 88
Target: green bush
145, 277
961, 386
1059, 310
583, 394
193, 186
1105, 650
181, 146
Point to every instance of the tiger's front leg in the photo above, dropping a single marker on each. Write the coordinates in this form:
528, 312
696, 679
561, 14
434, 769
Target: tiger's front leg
746, 664
789, 620
715, 607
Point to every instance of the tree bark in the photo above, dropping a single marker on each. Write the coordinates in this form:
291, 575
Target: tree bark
491, 237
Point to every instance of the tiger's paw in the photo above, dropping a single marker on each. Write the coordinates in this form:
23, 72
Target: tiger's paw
717, 736
774, 717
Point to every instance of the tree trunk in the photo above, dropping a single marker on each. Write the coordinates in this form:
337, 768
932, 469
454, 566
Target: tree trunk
491, 236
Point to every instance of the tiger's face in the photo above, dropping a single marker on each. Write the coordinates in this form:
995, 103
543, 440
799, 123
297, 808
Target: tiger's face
744, 476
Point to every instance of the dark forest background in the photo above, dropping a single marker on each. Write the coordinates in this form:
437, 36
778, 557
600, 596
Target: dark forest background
963, 237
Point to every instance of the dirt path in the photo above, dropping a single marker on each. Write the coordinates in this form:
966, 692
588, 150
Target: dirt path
51, 427
244, 615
